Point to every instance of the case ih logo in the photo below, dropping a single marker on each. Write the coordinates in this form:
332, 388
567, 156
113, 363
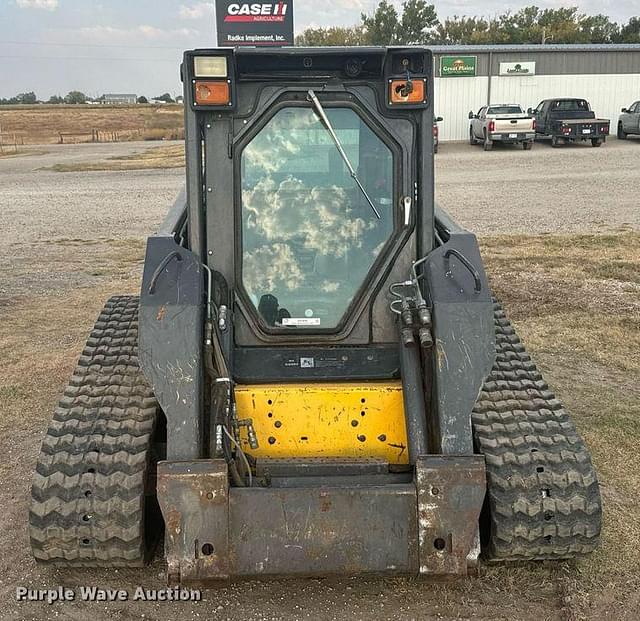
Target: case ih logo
254, 24
251, 13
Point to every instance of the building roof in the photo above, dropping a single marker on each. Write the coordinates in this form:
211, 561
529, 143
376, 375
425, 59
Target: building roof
120, 95
564, 47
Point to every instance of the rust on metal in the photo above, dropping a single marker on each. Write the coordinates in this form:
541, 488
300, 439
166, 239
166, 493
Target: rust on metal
194, 499
450, 492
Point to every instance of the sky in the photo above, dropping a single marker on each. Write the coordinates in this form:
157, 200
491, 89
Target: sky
135, 46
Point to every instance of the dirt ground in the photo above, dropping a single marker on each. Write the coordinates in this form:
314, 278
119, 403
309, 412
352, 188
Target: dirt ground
560, 232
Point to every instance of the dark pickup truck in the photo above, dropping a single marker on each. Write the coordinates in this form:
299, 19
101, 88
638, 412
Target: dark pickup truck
569, 120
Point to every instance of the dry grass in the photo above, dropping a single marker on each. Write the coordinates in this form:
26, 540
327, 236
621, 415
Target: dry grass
21, 151
575, 302
158, 157
42, 124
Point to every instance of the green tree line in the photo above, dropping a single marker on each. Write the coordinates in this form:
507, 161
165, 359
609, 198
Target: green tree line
72, 97
417, 23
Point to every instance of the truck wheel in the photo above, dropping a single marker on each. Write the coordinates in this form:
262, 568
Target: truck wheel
622, 135
555, 141
472, 139
596, 142
526, 145
488, 144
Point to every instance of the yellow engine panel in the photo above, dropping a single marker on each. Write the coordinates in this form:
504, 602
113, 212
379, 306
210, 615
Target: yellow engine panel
325, 420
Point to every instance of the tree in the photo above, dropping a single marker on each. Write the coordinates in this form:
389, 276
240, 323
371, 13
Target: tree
599, 29
142, 100
419, 24
630, 32
560, 26
381, 28
468, 31
26, 98
418, 20
164, 97
335, 36
384, 27
55, 99
75, 97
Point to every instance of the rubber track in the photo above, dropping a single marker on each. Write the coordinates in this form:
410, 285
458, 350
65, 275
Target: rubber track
88, 494
543, 495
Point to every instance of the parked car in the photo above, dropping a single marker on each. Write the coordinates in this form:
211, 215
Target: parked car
629, 121
507, 123
569, 120
436, 132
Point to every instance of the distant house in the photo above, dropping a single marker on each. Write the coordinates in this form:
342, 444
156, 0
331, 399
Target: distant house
118, 99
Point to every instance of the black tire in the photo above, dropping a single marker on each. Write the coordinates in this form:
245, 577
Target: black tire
92, 500
472, 139
526, 145
543, 499
487, 145
622, 135
596, 142
555, 142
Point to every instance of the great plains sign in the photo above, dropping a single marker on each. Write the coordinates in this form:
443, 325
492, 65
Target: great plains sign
457, 66
254, 24
519, 68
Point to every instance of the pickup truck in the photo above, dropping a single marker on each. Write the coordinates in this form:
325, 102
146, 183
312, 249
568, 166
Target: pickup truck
569, 120
506, 123
629, 121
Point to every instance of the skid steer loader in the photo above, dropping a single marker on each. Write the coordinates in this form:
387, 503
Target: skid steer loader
315, 378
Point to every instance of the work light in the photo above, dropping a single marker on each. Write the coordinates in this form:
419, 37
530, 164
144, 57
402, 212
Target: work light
210, 66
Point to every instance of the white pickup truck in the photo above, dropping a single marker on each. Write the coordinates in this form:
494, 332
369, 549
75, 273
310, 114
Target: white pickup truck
508, 123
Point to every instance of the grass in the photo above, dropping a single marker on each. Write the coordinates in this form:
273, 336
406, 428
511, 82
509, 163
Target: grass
575, 301
8, 152
158, 157
42, 124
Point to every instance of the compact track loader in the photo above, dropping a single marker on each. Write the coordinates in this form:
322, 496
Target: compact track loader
315, 378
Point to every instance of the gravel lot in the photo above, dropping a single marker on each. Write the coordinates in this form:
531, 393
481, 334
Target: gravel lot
72, 239
572, 189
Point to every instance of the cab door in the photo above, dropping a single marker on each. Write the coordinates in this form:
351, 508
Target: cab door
539, 113
478, 122
634, 118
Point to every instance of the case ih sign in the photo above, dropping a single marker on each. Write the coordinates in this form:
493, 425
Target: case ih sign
254, 23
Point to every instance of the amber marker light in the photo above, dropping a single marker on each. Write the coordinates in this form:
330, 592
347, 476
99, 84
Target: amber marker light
401, 93
210, 93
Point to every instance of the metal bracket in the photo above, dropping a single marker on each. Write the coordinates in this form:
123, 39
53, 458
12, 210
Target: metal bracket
450, 492
194, 499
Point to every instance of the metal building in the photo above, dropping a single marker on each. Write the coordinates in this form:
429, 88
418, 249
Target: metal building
119, 99
470, 76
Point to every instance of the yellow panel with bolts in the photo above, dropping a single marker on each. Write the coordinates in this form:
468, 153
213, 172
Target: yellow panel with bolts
325, 420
